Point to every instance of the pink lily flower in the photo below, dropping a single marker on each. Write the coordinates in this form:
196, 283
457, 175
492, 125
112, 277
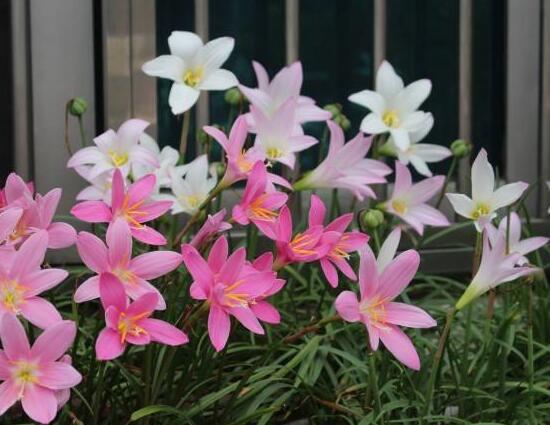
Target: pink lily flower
408, 200
35, 375
213, 225
239, 160
378, 312
347, 242
38, 213
311, 245
22, 280
258, 205
131, 204
116, 258
130, 323
515, 244
229, 286
118, 149
8, 221
496, 267
287, 84
346, 167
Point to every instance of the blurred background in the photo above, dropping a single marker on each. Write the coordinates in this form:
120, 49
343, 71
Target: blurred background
489, 61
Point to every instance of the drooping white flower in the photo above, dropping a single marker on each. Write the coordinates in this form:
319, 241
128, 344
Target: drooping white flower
192, 188
118, 149
485, 199
420, 154
192, 66
394, 107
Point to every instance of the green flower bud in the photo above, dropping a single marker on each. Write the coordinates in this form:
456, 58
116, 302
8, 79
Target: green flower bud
334, 108
342, 121
461, 148
78, 106
387, 150
234, 97
202, 137
220, 169
372, 218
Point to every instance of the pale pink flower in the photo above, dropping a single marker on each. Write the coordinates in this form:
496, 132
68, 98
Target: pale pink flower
229, 286
35, 375
269, 96
132, 204
304, 247
240, 161
213, 225
276, 138
257, 205
336, 258
376, 309
409, 201
130, 323
346, 167
22, 280
496, 267
116, 258
515, 243
118, 149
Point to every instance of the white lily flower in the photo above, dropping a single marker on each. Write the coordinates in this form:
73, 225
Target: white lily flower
394, 107
485, 199
192, 188
192, 66
167, 159
99, 188
420, 154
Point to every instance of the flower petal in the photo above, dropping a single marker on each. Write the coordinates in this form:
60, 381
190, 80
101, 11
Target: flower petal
58, 375
9, 394
182, 98
92, 212
92, 251
462, 205
483, 178
247, 318
155, 264
408, 315
184, 43
108, 345
165, 66
39, 403
163, 332
218, 327
399, 344
14, 339
40, 312
347, 306
398, 274
88, 290
54, 341
508, 194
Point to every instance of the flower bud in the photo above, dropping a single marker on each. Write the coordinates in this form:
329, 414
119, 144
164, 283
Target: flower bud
387, 150
334, 108
372, 218
77, 106
202, 137
461, 148
218, 168
234, 97
342, 121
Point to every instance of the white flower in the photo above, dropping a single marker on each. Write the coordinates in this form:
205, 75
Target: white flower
167, 159
485, 199
100, 186
393, 106
192, 67
277, 137
420, 154
192, 188
118, 149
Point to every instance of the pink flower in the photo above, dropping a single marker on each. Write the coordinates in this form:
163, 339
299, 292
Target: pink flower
130, 323
339, 252
8, 220
377, 310
131, 204
239, 160
22, 280
36, 376
311, 245
408, 200
38, 213
230, 287
118, 149
346, 167
269, 96
261, 308
257, 205
213, 225
116, 258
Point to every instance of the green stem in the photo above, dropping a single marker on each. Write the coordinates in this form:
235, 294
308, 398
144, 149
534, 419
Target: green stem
530, 356
373, 384
66, 130
184, 133
82, 132
98, 392
437, 360
448, 177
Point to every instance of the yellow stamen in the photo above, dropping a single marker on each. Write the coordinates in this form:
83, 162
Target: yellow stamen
193, 77
12, 295
375, 309
391, 119
400, 207
244, 165
193, 201
260, 212
274, 153
300, 244
482, 209
128, 326
119, 159
24, 372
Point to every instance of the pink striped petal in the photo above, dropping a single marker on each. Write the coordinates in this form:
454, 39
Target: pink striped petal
145, 304
54, 341
8, 221
330, 272
247, 319
14, 339
112, 293
399, 344
88, 290
58, 376
92, 212
155, 264
218, 327
368, 274
163, 332
5, 367
108, 345
30, 254
218, 254
61, 235
148, 235
92, 251
40, 312
266, 312
408, 315
196, 265
119, 241
398, 274
232, 268
141, 287
9, 394
39, 403
141, 189
347, 306
41, 280
117, 190
198, 291
374, 335
317, 211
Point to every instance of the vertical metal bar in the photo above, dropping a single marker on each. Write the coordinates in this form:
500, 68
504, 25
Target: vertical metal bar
545, 112
22, 93
142, 49
380, 20
202, 29
292, 30
523, 93
465, 88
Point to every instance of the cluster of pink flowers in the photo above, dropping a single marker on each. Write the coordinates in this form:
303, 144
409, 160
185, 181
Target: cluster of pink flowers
130, 177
